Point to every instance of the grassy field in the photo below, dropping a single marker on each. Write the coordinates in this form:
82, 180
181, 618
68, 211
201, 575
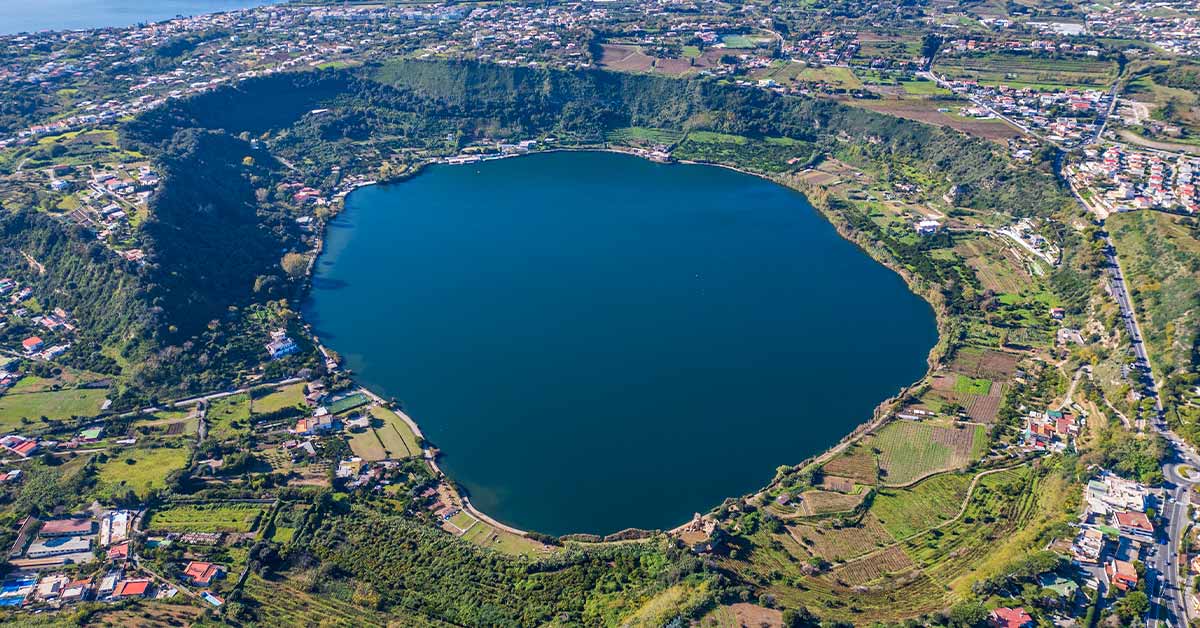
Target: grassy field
904, 512
499, 540
141, 469
366, 445
229, 416
397, 438
59, 404
206, 518
972, 385
286, 397
924, 88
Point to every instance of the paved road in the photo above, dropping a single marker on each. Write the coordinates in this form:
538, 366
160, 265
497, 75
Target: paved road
1164, 581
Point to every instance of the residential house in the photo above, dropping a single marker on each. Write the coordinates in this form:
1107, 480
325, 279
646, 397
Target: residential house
202, 574
1136, 525
32, 344
139, 587
1005, 617
1121, 574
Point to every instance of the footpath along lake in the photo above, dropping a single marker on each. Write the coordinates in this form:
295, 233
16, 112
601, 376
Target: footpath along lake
596, 341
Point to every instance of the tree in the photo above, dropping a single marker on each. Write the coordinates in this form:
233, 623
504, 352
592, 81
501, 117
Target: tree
968, 613
799, 618
294, 264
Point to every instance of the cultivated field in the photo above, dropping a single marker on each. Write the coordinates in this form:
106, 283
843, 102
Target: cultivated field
286, 603
910, 450
998, 267
910, 510
856, 463
872, 568
638, 135
206, 518
1029, 71
837, 545
925, 110
816, 502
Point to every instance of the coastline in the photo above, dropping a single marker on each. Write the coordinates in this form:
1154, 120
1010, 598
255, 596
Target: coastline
880, 415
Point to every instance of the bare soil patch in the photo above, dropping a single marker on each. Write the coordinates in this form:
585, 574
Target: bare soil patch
923, 110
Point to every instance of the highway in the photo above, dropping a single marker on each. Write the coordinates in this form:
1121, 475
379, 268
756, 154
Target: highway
1166, 576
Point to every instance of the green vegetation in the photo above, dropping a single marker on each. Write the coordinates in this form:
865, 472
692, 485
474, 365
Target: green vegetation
909, 450
287, 397
972, 385
60, 404
140, 470
906, 511
205, 518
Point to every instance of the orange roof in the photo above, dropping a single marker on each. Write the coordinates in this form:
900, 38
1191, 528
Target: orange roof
1011, 617
31, 342
119, 552
1136, 520
129, 588
200, 573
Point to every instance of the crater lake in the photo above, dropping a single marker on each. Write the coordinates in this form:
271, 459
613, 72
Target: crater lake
596, 341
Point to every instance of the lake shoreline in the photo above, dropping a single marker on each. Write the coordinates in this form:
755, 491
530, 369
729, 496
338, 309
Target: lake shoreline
880, 414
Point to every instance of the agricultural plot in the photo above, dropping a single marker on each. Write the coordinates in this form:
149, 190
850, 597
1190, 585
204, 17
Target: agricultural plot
140, 470
989, 363
856, 463
772, 154
286, 397
871, 568
1000, 504
638, 135
910, 450
837, 545
998, 267
816, 502
206, 518
979, 408
285, 603
1027, 71
59, 404
927, 111
906, 511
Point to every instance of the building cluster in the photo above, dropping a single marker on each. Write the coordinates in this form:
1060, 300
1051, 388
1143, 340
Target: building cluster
971, 45
52, 329
1068, 117
1172, 25
1115, 531
1122, 178
1050, 430
825, 48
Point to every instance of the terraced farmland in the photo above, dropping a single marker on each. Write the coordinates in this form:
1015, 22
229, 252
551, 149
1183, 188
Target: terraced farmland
906, 511
856, 463
836, 545
206, 518
910, 450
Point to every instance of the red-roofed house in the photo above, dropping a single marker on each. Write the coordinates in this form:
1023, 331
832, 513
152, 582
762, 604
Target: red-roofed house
119, 551
1135, 524
201, 574
1004, 617
131, 588
31, 344
1122, 574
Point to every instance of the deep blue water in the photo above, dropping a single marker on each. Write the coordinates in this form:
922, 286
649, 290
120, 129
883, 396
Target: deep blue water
596, 341
19, 16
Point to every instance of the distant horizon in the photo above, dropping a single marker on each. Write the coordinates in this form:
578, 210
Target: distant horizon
69, 15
